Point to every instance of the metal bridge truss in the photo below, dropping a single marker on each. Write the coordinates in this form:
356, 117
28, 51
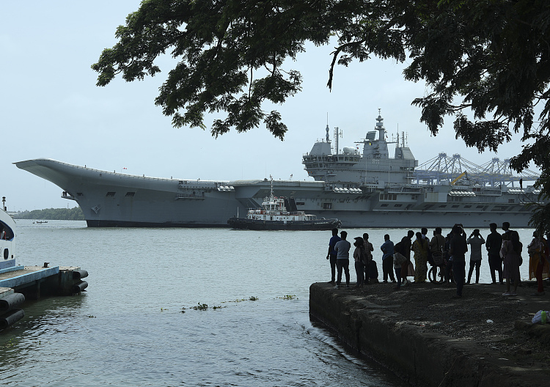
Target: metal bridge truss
443, 169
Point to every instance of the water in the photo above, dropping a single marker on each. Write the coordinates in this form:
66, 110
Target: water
136, 324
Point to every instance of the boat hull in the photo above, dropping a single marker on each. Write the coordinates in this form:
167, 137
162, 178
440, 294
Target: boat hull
251, 224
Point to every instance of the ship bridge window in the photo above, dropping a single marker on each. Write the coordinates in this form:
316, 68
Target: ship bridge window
130, 194
388, 196
397, 205
112, 194
467, 206
455, 206
511, 201
327, 206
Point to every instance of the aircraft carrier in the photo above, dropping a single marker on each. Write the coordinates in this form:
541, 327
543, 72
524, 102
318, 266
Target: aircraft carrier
362, 187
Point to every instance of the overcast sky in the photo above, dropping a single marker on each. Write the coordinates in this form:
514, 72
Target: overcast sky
51, 108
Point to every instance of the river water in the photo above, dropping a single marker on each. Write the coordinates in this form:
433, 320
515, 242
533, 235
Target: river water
183, 307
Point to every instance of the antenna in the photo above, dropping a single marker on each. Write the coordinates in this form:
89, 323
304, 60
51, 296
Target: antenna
327, 129
336, 135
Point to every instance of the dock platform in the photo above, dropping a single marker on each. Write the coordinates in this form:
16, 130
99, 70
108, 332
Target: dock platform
20, 283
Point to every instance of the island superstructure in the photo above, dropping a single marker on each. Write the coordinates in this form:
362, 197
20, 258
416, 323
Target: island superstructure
361, 188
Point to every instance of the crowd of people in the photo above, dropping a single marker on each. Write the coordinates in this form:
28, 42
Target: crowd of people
447, 254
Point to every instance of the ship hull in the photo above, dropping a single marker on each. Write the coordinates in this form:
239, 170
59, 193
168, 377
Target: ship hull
111, 199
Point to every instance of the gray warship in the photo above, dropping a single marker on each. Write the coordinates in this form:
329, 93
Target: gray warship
362, 188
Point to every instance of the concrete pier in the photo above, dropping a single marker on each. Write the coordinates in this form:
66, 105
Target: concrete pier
429, 340
19, 283
41, 281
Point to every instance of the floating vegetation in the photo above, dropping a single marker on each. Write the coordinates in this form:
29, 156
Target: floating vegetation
200, 306
251, 298
288, 297
238, 300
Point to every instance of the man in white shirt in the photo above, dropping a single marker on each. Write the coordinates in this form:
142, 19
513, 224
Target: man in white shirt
342, 248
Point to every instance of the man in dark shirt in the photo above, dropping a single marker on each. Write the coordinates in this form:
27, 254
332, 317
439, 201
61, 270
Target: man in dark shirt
332, 254
404, 247
493, 244
458, 248
387, 258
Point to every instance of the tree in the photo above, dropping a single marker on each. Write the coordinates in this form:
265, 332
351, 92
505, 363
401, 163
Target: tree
488, 59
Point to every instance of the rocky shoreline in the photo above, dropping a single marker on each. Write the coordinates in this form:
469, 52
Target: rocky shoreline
429, 338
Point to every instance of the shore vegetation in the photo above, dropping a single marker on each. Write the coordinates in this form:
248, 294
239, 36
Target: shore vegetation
74, 213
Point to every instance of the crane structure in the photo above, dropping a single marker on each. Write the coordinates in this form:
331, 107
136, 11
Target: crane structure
444, 169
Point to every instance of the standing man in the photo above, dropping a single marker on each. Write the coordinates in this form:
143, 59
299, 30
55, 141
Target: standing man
370, 268
404, 248
387, 258
424, 232
437, 244
342, 248
494, 242
475, 241
332, 254
457, 250
407, 242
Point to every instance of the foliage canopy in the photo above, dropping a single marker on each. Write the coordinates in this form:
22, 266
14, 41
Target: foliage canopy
488, 59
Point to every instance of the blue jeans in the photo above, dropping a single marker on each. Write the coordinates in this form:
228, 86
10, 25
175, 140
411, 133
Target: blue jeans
459, 272
342, 264
332, 268
387, 269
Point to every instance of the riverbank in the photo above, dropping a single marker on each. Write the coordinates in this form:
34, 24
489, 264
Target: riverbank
428, 338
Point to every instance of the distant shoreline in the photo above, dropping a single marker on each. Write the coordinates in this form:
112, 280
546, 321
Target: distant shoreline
74, 213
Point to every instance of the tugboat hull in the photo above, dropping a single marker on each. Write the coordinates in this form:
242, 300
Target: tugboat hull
250, 224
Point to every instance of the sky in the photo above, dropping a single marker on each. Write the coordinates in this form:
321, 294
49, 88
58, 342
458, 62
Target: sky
50, 107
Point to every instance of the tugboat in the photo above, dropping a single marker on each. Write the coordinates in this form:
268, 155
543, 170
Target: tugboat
280, 213
7, 234
18, 283
10, 301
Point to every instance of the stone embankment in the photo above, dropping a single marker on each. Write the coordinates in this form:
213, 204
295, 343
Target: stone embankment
430, 339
